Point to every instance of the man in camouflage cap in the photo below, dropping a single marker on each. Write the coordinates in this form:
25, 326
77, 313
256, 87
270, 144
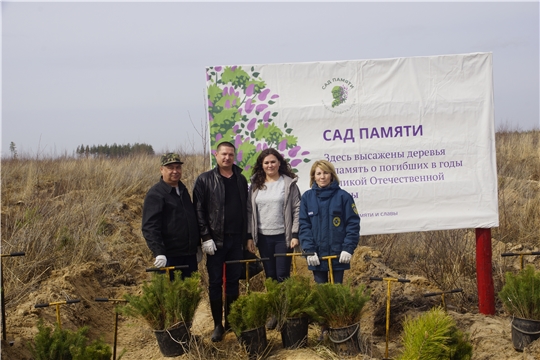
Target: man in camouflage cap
169, 222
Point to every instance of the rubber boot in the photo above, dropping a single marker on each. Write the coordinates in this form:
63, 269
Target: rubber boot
271, 323
324, 331
229, 299
216, 306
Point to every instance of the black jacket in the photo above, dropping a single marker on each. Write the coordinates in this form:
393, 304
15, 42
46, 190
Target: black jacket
209, 201
169, 223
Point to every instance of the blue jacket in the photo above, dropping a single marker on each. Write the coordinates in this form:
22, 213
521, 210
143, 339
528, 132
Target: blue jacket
329, 224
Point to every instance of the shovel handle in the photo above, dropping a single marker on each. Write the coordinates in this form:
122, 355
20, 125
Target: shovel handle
20, 253
294, 254
518, 254
57, 303
109, 300
177, 267
376, 278
443, 292
246, 261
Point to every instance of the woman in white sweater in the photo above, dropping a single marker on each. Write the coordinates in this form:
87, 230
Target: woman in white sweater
273, 212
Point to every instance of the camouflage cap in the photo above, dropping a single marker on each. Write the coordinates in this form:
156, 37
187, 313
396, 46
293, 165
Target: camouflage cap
170, 158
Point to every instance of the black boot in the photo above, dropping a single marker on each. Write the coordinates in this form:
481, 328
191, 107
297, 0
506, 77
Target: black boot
216, 306
229, 299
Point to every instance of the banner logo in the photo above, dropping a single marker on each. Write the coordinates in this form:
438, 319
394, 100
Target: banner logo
337, 95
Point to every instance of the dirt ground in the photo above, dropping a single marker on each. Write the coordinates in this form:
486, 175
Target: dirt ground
490, 335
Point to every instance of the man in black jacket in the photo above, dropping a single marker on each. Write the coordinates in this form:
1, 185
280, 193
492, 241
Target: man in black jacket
220, 198
169, 223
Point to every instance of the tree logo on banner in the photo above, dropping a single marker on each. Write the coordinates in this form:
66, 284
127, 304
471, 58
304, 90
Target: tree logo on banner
336, 95
240, 111
340, 94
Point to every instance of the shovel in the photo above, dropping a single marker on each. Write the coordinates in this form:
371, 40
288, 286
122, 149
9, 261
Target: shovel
389, 280
114, 301
294, 255
244, 261
168, 269
57, 304
2, 300
442, 295
520, 254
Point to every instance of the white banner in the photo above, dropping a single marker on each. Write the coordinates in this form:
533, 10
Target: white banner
412, 139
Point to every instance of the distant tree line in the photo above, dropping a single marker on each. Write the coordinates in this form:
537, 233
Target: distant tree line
114, 150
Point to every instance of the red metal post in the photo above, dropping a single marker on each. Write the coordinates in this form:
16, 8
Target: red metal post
484, 273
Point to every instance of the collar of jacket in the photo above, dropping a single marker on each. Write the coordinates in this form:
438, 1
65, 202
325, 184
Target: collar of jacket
236, 170
168, 188
326, 191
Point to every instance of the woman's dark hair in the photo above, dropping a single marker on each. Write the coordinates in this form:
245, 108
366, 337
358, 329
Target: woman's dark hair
258, 174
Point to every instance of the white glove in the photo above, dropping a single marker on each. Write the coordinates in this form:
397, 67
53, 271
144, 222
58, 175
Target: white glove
209, 247
199, 254
345, 257
161, 261
313, 260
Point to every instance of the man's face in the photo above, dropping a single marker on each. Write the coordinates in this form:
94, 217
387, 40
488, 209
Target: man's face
172, 173
225, 157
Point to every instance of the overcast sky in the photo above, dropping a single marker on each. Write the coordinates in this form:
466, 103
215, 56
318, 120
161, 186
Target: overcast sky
104, 73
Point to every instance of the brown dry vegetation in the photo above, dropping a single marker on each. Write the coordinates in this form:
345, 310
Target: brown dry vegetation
78, 221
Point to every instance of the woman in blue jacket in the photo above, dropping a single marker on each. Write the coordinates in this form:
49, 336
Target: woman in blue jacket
329, 223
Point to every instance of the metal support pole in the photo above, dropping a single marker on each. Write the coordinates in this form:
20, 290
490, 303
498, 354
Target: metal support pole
484, 272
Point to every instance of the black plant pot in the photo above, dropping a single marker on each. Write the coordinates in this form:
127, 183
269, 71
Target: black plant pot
346, 339
524, 332
254, 340
173, 342
294, 333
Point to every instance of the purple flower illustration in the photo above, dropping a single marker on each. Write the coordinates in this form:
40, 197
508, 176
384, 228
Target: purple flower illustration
295, 162
260, 107
264, 94
249, 90
249, 106
240, 110
294, 151
251, 124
